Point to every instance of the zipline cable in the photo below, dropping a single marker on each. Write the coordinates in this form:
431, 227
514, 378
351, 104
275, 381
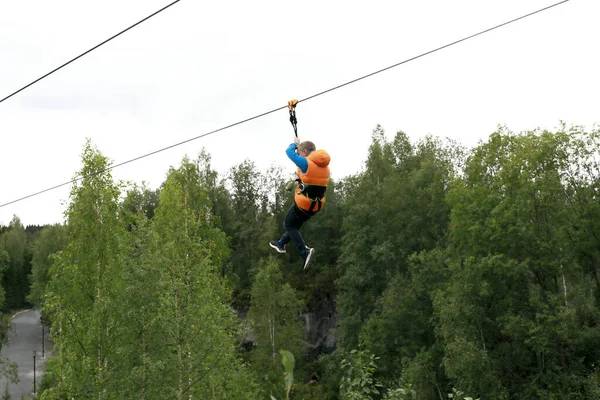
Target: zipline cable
143, 156
283, 107
436, 49
90, 50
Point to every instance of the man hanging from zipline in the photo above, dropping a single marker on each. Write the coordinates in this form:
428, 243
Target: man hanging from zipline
309, 197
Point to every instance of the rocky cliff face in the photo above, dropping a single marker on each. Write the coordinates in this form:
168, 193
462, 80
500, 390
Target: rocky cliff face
320, 323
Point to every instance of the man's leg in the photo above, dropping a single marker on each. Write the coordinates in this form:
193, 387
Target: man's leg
292, 226
292, 223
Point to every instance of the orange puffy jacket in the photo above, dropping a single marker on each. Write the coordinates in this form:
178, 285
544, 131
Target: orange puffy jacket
310, 193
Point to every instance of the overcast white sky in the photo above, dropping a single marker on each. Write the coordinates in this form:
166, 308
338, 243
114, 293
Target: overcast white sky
201, 65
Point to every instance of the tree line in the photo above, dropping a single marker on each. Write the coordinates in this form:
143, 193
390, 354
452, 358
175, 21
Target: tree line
447, 270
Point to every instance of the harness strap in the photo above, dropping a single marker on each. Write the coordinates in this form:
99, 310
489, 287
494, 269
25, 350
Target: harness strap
317, 192
314, 202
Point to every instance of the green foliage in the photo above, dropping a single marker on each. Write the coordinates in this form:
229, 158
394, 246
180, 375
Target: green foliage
248, 228
357, 382
400, 394
52, 240
275, 322
85, 280
513, 302
50, 377
395, 208
288, 361
15, 265
515, 274
8, 371
400, 325
190, 293
457, 394
4, 262
183, 328
143, 312
478, 272
139, 200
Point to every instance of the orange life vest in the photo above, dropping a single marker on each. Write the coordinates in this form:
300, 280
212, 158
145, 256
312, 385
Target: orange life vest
310, 192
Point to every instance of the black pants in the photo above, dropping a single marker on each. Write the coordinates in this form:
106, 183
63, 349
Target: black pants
292, 223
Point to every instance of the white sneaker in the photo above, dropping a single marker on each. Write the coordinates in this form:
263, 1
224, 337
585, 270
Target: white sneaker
275, 244
307, 257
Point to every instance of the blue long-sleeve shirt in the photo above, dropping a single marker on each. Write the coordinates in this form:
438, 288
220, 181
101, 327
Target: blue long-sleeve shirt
300, 161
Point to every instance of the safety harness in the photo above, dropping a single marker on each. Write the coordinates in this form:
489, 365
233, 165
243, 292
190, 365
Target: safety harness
314, 193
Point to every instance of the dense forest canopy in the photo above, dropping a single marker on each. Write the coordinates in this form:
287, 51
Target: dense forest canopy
438, 270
